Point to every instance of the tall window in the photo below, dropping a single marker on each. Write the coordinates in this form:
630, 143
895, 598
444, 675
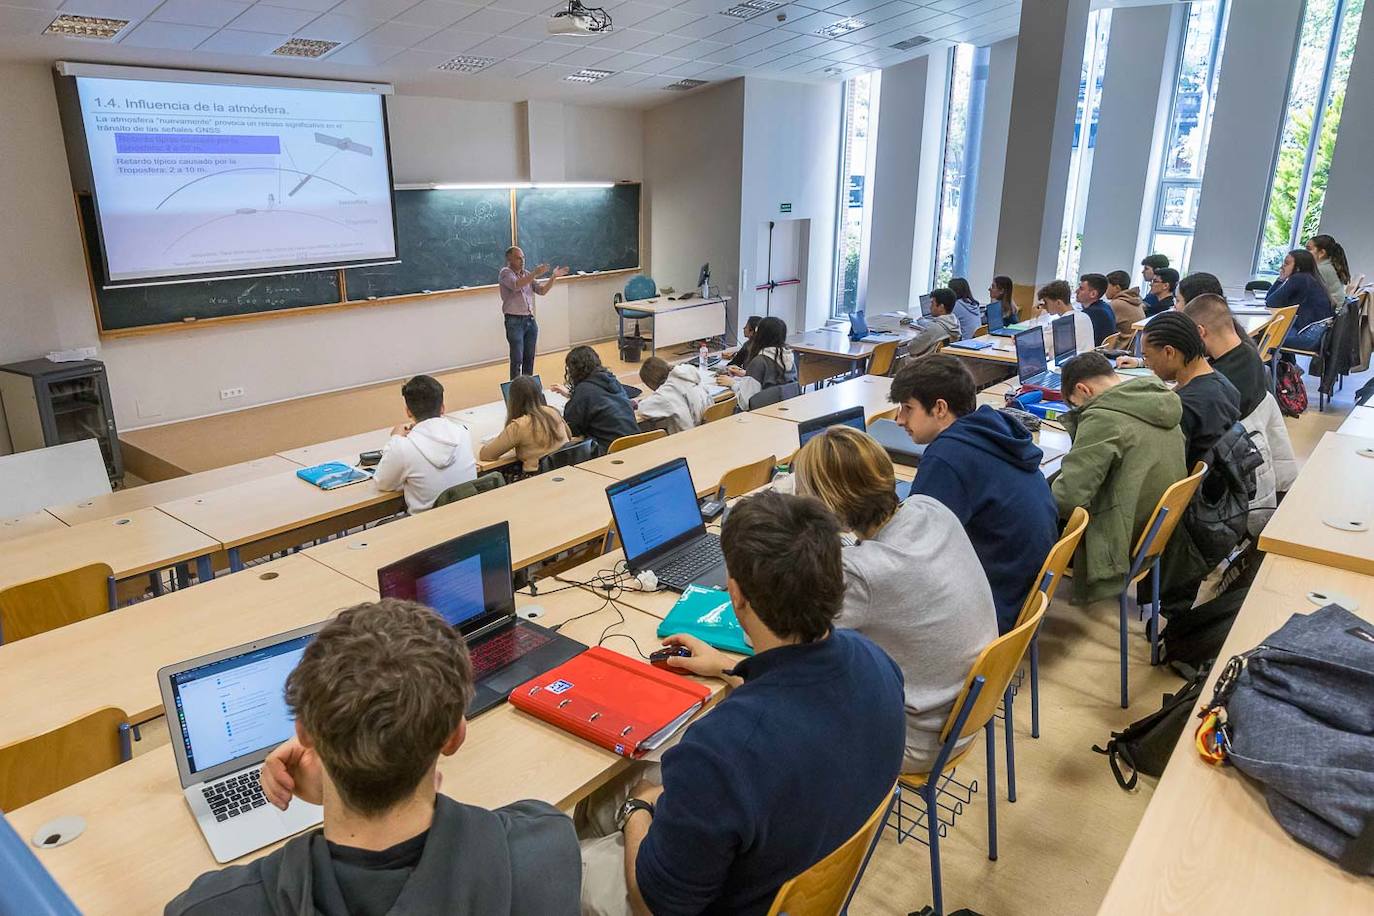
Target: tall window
859, 130
959, 175
1190, 126
1084, 139
1316, 92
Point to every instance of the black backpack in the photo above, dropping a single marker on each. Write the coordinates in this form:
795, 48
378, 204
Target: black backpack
1146, 744
1216, 518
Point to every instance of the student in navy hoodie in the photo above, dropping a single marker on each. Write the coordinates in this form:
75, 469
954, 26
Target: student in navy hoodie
985, 468
598, 405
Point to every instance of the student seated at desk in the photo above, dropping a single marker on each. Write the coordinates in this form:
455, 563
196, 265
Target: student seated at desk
533, 429
598, 405
913, 584
1125, 301
1091, 296
1211, 405
1197, 283
985, 468
770, 363
751, 325
378, 696
679, 395
1300, 285
1127, 449
1052, 301
971, 314
999, 297
429, 455
941, 327
1162, 287
784, 769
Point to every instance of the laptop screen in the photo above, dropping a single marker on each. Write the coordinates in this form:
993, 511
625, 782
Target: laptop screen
1030, 353
995, 322
505, 388
850, 416
237, 705
467, 580
655, 510
925, 305
1065, 338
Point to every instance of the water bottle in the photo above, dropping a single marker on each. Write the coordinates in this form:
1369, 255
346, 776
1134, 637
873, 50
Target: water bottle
703, 355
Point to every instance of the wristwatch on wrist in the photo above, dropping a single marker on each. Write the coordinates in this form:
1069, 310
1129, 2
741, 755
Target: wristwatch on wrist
630, 807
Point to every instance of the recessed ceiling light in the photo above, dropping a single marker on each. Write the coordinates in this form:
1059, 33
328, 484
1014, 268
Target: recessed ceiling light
750, 8
588, 75
467, 64
71, 26
832, 71
915, 41
306, 47
843, 27
684, 85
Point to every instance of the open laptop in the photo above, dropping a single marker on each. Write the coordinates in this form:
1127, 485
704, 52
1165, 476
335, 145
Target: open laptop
859, 330
1064, 335
505, 389
468, 581
1032, 367
850, 416
226, 712
660, 526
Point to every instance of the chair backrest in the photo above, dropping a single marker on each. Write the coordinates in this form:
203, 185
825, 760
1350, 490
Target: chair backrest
1127, 340
822, 889
996, 665
775, 394
1276, 330
640, 287
747, 477
34, 767
880, 363
980, 331
570, 454
1168, 513
889, 414
1056, 562
30, 608
718, 411
1111, 342
52, 476
1258, 285
488, 481
624, 442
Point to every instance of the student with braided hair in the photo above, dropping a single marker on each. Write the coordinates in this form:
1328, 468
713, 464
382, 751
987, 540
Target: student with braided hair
1211, 404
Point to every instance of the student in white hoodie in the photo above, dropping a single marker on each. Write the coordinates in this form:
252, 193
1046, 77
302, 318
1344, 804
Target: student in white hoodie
679, 394
428, 455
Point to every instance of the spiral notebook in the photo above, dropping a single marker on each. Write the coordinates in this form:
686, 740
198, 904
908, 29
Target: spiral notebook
333, 474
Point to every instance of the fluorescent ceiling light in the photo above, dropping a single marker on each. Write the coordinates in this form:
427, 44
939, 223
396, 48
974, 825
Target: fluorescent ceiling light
843, 27
306, 47
750, 8
588, 75
684, 85
467, 64
70, 26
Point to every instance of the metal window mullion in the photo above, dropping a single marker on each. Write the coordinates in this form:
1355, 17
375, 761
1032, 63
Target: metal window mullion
1314, 135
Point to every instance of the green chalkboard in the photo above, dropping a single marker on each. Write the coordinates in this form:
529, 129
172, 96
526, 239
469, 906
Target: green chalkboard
132, 307
588, 229
447, 239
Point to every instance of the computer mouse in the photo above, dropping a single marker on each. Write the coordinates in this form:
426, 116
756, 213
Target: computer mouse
659, 658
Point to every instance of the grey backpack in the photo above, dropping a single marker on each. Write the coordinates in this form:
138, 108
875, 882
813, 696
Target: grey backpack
1299, 719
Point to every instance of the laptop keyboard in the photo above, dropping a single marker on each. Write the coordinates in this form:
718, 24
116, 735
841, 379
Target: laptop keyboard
235, 795
505, 647
691, 562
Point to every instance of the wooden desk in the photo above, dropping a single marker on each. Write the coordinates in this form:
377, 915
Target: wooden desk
995, 364
547, 514
826, 352
142, 846
135, 543
162, 491
869, 392
1207, 842
710, 450
1251, 322
656, 604
1336, 483
30, 523
677, 321
256, 510
112, 660
1360, 422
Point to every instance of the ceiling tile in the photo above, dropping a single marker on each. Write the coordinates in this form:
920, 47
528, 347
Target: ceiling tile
399, 34
664, 44
701, 7
507, 69
856, 7
112, 9
768, 39
624, 39
169, 35
501, 47
274, 19
333, 27
527, 7
702, 48
363, 53
25, 22
214, 13
451, 41
491, 21
740, 31
724, 54
946, 6
629, 60
380, 10
705, 26
233, 41
668, 20
415, 59
789, 43
437, 13
319, 6
808, 25
589, 56
758, 59
545, 51
624, 15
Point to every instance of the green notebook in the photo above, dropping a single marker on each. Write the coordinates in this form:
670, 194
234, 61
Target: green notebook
706, 613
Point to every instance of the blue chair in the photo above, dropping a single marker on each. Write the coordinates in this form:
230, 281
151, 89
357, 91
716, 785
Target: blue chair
639, 287
29, 889
1145, 561
989, 680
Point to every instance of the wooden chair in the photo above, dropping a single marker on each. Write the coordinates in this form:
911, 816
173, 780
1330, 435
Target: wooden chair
488, 481
1274, 331
624, 442
719, 411
1145, 559
1126, 341
884, 354
1110, 342
988, 682
35, 607
980, 331
889, 414
746, 478
827, 887
35, 767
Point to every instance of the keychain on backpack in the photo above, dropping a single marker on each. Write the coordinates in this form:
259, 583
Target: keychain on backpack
1213, 737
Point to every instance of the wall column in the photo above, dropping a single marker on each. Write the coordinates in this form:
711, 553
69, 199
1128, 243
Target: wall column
1348, 212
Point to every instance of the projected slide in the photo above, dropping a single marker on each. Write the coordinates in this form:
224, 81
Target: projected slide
195, 179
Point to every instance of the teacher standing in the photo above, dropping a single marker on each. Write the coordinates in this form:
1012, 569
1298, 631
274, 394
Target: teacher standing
518, 289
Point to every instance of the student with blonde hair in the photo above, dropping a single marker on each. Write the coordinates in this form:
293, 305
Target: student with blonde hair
913, 583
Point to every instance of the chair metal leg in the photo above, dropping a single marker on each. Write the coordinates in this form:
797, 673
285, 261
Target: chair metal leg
1154, 614
1124, 591
931, 794
155, 582
205, 570
992, 790
1035, 685
126, 748
1009, 728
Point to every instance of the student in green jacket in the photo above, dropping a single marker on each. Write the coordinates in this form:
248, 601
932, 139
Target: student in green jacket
1127, 450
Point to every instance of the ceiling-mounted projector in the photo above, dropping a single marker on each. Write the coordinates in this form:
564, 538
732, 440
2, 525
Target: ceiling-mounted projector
579, 20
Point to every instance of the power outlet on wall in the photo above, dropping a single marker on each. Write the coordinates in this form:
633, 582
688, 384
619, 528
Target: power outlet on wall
227, 393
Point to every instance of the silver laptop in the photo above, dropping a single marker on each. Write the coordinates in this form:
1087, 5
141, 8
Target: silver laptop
226, 712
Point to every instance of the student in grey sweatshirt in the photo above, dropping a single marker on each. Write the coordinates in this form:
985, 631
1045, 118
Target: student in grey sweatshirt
942, 325
913, 584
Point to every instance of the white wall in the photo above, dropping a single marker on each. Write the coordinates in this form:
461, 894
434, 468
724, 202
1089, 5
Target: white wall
1348, 211
791, 154
161, 377
982, 257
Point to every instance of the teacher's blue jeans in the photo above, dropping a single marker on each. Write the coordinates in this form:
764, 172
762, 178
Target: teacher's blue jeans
521, 333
